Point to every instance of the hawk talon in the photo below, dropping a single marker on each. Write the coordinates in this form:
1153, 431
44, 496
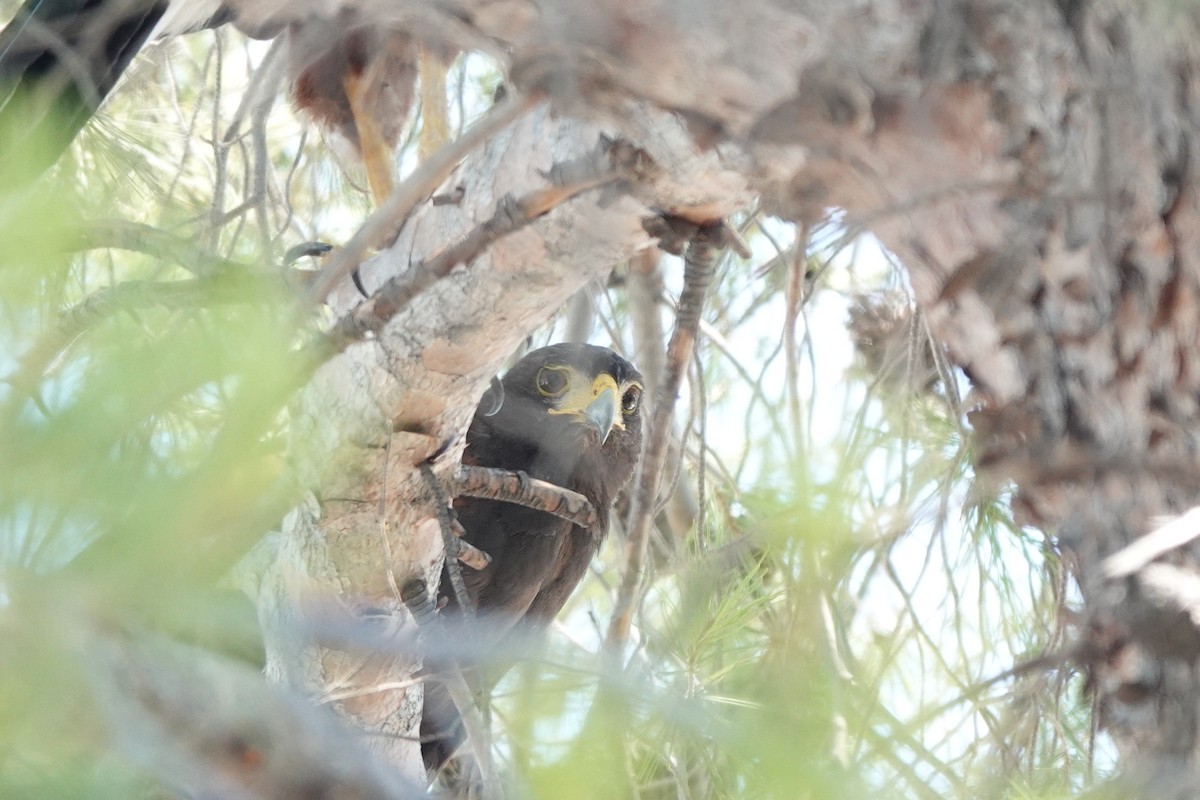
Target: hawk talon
493, 398
304, 250
358, 284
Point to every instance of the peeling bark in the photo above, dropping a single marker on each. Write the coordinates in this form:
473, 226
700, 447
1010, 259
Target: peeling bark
1031, 167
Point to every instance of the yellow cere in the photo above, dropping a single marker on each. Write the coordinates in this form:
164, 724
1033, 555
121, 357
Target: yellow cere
580, 394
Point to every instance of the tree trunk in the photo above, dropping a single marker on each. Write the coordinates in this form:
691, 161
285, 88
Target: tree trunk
1028, 160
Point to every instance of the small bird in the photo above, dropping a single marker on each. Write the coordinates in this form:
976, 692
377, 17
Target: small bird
570, 415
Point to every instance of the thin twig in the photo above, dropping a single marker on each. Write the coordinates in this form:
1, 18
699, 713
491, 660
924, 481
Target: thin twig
139, 238
285, 192
420, 605
701, 461
1170, 534
374, 688
189, 131
235, 287
220, 148
700, 261
644, 292
384, 538
259, 115
261, 88
794, 297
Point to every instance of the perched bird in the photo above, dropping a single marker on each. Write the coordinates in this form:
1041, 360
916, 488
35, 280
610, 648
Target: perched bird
571, 415
352, 72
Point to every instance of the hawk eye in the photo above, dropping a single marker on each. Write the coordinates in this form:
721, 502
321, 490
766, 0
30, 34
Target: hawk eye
631, 399
551, 382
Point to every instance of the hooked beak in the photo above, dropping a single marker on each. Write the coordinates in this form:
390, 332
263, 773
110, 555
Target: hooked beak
594, 405
602, 413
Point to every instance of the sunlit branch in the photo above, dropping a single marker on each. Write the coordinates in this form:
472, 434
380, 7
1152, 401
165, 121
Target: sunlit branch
1169, 535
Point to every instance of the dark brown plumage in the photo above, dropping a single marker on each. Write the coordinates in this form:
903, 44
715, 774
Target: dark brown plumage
571, 415
351, 71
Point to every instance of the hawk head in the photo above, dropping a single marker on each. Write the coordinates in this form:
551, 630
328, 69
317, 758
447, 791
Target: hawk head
570, 414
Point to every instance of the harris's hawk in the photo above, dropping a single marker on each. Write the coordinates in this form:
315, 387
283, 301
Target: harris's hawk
571, 415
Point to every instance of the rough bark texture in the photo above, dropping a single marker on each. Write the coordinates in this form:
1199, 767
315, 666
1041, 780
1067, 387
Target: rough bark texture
1031, 162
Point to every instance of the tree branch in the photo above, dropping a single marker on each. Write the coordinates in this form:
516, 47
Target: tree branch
517, 487
700, 258
240, 287
613, 161
389, 217
216, 728
136, 237
1169, 535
